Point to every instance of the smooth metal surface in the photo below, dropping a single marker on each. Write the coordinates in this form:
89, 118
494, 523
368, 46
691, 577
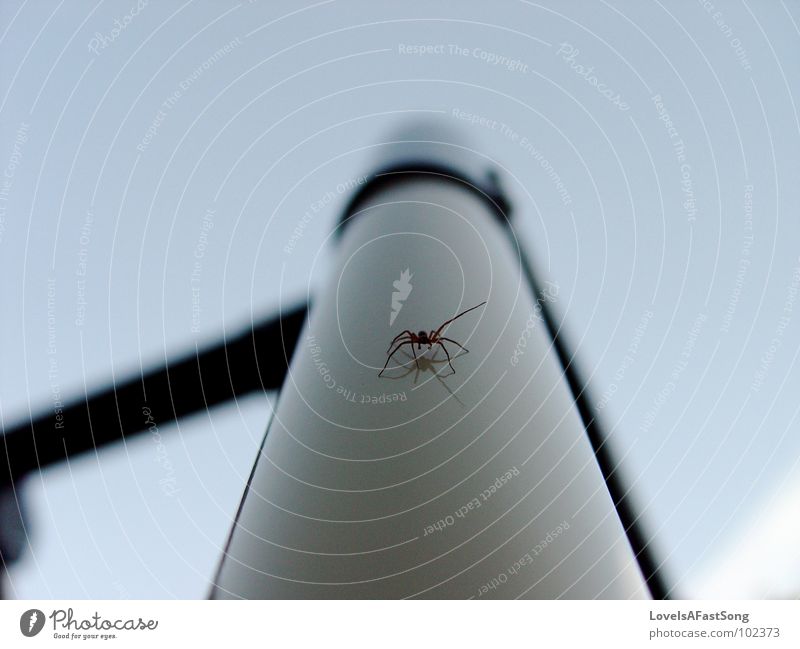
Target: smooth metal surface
478, 484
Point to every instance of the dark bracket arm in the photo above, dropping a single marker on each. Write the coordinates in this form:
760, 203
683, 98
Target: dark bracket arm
254, 360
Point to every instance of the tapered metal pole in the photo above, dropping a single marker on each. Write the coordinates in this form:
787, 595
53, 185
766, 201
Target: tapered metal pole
476, 481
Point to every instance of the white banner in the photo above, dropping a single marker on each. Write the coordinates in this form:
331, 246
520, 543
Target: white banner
398, 624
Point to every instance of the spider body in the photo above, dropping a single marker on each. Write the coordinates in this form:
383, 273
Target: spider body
429, 338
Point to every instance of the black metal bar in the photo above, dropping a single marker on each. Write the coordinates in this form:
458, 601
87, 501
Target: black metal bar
603, 452
254, 360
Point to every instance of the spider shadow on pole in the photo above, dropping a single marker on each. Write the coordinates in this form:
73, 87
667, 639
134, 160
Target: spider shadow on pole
425, 364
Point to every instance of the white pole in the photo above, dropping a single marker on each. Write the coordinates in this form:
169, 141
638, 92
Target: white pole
478, 484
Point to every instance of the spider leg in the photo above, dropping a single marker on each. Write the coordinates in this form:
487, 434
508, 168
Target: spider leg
449, 362
405, 342
450, 340
447, 322
397, 337
416, 360
400, 338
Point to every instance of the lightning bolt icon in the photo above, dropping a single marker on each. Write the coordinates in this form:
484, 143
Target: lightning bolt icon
403, 286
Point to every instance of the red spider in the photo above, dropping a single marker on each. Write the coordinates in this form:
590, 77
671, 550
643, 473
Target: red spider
431, 338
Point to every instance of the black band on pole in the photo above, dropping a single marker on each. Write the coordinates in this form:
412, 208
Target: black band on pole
487, 189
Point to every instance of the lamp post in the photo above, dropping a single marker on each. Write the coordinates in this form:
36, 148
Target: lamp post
468, 478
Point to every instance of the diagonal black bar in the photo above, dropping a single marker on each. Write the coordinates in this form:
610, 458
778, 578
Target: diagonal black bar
254, 360
609, 465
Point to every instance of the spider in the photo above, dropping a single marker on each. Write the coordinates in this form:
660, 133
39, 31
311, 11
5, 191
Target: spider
429, 338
